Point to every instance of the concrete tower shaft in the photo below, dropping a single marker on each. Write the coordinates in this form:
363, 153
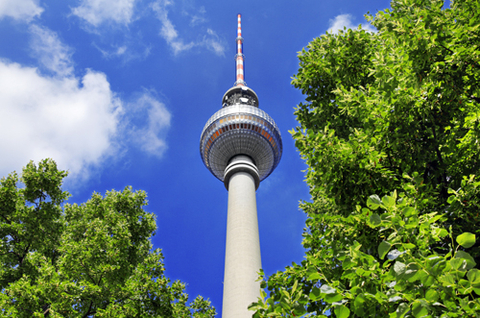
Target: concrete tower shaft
242, 250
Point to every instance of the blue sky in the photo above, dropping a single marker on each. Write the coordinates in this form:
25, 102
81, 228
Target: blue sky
118, 92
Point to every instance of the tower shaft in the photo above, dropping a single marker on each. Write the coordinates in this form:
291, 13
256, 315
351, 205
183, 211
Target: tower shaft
242, 255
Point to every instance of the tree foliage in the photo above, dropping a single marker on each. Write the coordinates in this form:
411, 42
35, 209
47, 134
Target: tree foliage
390, 131
88, 260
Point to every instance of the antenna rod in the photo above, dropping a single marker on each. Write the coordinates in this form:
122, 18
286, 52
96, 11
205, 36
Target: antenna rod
240, 77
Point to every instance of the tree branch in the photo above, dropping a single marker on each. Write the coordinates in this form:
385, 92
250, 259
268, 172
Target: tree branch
88, 311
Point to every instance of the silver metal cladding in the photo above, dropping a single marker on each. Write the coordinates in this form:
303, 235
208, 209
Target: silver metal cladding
241, 130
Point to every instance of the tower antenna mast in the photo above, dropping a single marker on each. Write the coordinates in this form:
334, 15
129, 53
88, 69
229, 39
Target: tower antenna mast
239, 57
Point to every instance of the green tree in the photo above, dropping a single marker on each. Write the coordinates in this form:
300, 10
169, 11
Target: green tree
390, 131
88, 260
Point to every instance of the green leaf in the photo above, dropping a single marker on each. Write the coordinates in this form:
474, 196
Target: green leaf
434, 218
314, 275
299, 310
439, 232
473, 276
285, 306
425, 278
315, 294
464, 255
447, 280
332, 298
399, 268
409, 211
375, 219
432, 295
383, 249
392, 255
373, 202
464, 287
466, 239
408, 246
411, 272
359, 304
342, 311
402, 309
394, 299
420, 308
388, 201
437, 265
451, 199
294, 287
458, 264
325, 289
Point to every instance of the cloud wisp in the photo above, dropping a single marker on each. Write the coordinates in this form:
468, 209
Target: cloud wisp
52, 54
22, 10
210, 39
345, 21
97, 12
198, 17
128, 51
167, 30
110, 19
213, 43
147, 123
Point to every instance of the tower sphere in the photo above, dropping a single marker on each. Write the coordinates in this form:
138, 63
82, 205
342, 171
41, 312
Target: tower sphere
240, 128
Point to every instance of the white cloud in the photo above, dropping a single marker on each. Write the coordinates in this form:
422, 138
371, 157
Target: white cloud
127, 51
96, 12
148, 124
79, 122
50, 51
213, 43
71, 121
345, 20
121, 50
168, 31
20, 9
198, 17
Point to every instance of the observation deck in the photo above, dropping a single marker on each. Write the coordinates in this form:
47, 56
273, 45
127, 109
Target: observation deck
241, 129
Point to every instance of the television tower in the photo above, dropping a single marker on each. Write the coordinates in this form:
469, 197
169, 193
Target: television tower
241, 145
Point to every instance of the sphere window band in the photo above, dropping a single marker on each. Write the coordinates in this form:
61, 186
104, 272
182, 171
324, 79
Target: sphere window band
241, 126
248, 127
241, 120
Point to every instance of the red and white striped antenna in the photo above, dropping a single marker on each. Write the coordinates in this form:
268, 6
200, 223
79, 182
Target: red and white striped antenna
239, 57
